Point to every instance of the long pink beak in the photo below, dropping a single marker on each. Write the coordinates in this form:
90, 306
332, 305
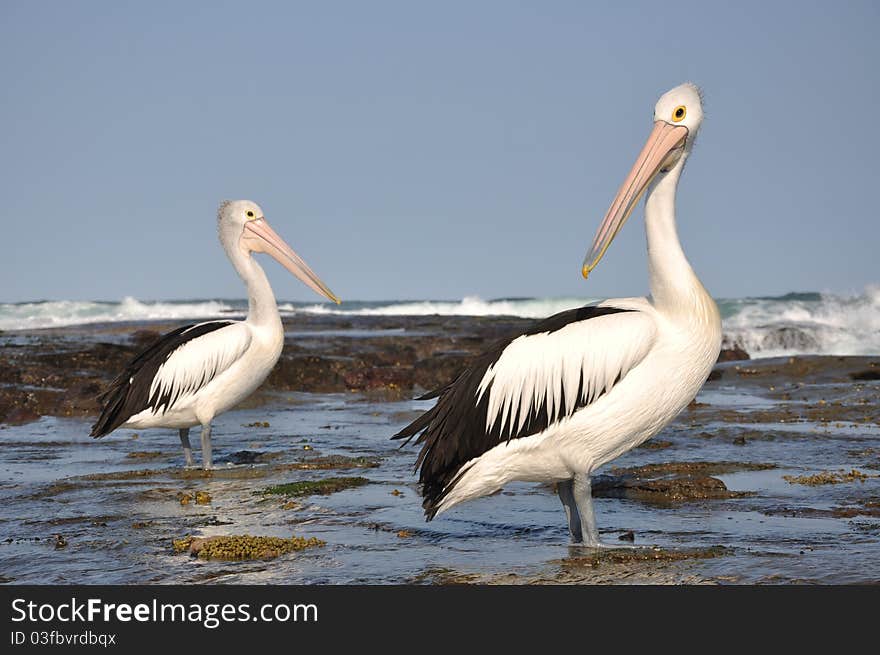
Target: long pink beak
660, 148
260, 237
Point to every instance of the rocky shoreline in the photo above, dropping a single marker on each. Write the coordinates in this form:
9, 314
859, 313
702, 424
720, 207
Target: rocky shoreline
785, 450
61, 371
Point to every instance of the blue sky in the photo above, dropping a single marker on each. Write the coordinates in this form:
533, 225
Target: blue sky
430, 150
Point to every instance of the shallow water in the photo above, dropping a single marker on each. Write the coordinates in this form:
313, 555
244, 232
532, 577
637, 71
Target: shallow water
120, 530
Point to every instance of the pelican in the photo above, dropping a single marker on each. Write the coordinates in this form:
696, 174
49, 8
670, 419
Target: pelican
196, 372
582, 387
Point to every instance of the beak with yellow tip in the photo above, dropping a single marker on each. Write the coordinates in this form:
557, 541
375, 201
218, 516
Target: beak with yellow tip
260, 237
662, 150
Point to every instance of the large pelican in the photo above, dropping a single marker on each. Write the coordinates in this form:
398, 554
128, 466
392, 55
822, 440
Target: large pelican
196, 372
582, 387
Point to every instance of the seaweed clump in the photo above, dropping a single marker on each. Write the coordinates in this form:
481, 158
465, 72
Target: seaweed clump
314, 487
827, 477
242, 546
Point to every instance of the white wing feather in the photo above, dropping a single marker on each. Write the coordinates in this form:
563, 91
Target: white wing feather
549, 366
199, 361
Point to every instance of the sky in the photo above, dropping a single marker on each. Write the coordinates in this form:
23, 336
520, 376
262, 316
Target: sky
430, 150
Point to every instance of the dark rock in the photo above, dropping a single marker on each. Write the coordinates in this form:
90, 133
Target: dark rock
20, 416
733, 354
308, 373
790, 338
662, 490
439, 369
691, 468
627, 536
246, 457
144, 338
376, 377
656, 444
869, 374
671, 482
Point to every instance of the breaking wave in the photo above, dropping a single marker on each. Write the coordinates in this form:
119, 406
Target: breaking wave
796, 323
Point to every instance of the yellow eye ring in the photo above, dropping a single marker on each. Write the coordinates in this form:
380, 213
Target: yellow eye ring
249, 214
679, 113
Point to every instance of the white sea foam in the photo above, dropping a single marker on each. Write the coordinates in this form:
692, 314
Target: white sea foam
468, 306
806, 323
61, 313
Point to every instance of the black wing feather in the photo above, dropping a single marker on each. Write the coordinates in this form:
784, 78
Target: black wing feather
453, 432
129, 393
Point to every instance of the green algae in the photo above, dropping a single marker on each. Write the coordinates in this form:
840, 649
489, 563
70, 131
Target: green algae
314, 487
827, 477
243, 546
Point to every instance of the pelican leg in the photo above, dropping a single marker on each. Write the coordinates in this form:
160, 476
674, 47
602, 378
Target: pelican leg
206, 447
583, 498
565, 489
187, 449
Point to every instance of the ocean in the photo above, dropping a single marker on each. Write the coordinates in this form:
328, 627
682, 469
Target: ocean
792, 324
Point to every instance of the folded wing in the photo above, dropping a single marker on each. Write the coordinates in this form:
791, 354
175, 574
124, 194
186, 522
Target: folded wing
176, 366
524, 385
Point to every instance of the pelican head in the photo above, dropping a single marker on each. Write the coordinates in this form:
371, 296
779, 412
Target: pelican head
242, 225
677, 118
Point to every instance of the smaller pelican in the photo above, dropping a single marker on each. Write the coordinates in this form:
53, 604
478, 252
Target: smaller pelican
196, 372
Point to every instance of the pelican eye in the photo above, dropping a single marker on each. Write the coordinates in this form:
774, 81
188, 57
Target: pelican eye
249, 214
679, 113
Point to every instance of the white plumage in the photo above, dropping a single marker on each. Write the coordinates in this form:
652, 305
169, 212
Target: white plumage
577, 362
584, 386
195, 364
194, 373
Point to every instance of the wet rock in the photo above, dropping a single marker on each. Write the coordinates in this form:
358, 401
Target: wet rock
867, 507
329, 462
394, 377
692, 468
672, 482
440, 369
445, 577
662, 490
142, 339
250, 457
868, 374
596, 557
309, 373
732, 354
19, 416
627, 536
790, 338
145, 454
242, 547
656, 444
828, 477
314, 487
